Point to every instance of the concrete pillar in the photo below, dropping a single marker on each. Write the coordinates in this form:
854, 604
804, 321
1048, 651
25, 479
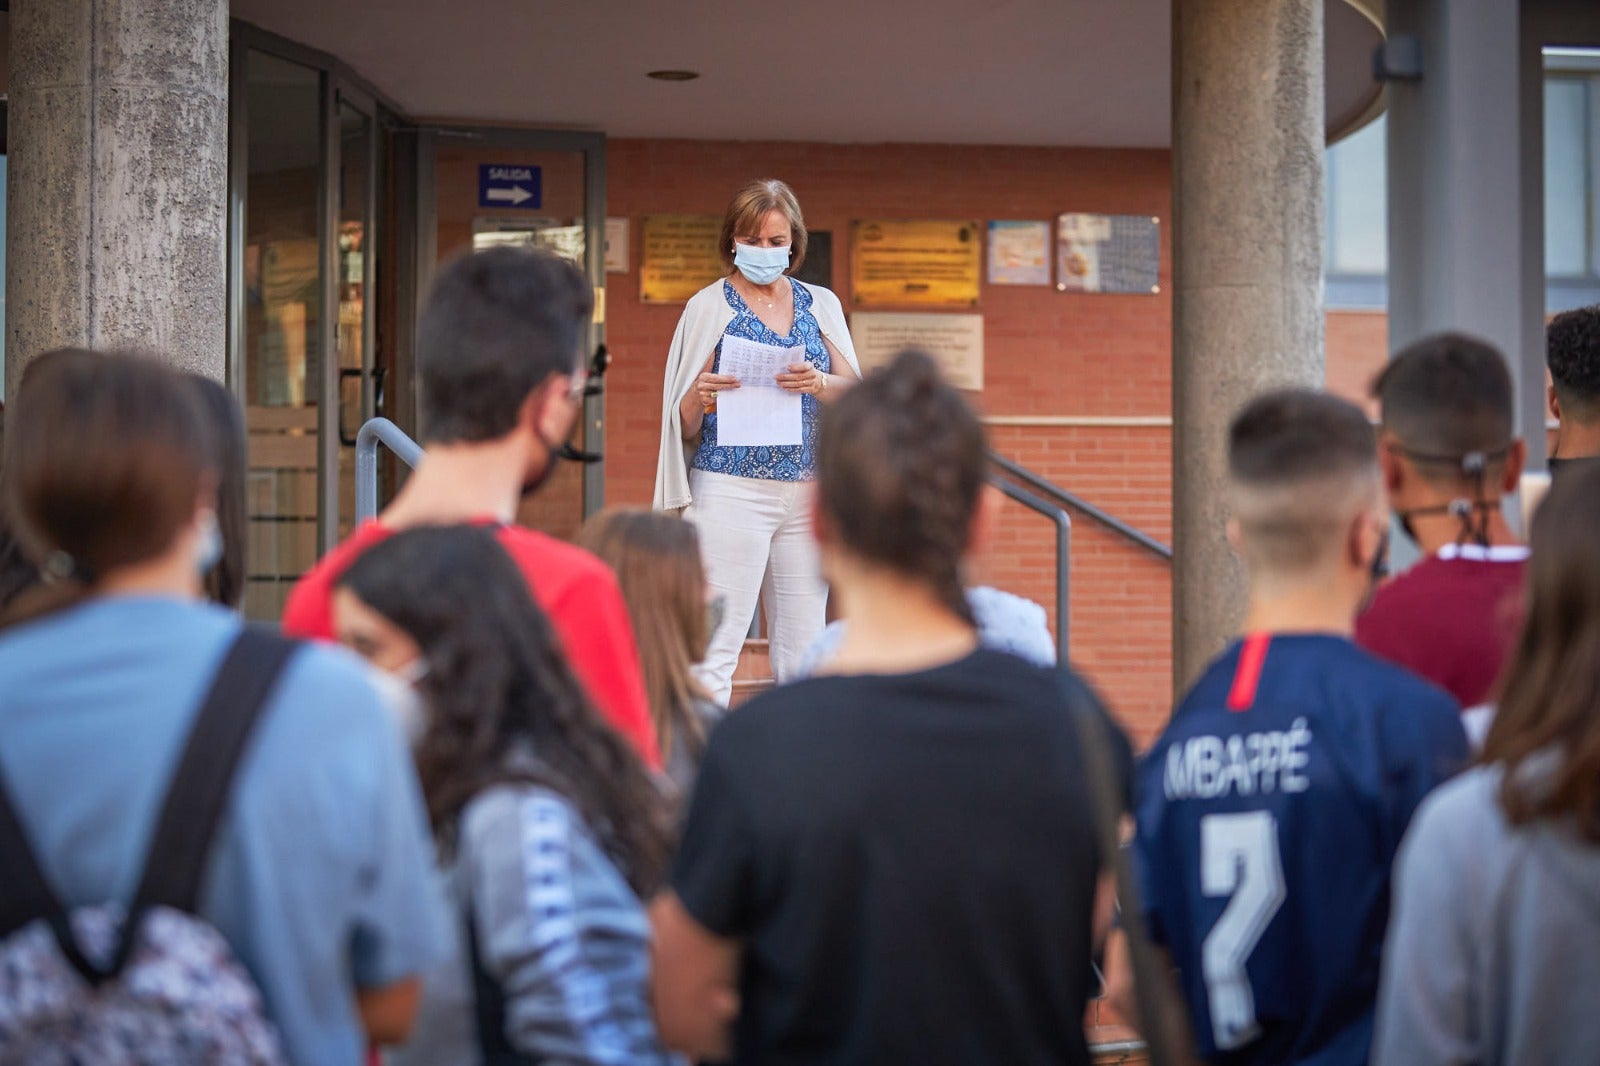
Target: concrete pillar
1247, 158
1466, 189
118, 181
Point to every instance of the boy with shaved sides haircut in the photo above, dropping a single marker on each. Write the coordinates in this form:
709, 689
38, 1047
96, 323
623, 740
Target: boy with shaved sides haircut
1572, 352
1270, 809
1449, 458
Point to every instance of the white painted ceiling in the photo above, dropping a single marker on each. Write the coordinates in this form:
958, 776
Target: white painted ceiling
1023, 72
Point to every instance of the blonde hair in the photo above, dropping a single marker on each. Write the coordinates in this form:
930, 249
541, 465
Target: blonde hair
750, 205
657, 562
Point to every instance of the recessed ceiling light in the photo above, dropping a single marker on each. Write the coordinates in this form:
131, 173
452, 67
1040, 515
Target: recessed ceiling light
673, 75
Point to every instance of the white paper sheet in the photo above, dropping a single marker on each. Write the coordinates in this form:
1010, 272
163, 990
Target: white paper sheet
760, 412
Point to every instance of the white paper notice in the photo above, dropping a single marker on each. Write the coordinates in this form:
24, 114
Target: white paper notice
760, 412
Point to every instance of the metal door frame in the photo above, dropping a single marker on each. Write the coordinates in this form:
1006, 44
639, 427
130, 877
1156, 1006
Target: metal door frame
425, 245
337, 82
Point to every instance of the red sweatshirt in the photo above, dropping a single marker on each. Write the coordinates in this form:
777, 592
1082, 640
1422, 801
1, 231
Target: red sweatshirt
575, 589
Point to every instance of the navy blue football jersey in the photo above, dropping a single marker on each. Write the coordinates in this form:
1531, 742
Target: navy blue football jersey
1269, 814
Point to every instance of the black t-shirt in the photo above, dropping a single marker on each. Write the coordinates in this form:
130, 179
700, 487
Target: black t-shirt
910, 863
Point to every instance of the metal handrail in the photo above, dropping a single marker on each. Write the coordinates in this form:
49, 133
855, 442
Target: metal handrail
1077, 503
1063, 523
374, 432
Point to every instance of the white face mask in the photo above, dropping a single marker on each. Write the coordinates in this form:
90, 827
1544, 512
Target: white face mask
208, 553
762, 266
400, 695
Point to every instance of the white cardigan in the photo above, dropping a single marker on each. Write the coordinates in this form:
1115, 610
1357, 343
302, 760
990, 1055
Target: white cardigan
705, 319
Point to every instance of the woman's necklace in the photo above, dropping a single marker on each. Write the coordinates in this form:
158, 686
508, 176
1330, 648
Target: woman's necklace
771, 303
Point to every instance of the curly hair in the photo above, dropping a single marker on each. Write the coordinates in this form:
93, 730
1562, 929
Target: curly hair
1572, 351
901, 460
504, 705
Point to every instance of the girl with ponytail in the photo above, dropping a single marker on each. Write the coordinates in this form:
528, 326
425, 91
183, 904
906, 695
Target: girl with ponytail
894, 860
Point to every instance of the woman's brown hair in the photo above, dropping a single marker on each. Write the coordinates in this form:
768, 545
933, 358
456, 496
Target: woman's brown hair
657, 561
750, 205
107, 457
1550, 695
901, 460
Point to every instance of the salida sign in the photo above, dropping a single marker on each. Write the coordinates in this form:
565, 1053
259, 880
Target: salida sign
508, 185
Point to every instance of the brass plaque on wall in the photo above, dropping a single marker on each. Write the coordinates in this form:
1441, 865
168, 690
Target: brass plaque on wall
678, 257
916, 263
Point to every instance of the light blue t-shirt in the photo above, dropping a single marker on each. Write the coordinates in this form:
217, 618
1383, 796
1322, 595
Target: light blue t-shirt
321, 877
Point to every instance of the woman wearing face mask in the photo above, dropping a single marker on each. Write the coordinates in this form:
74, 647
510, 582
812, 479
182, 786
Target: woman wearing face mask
549, 826
750, 502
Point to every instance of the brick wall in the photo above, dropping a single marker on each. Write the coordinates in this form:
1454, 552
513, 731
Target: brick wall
1358, 346
1047, 355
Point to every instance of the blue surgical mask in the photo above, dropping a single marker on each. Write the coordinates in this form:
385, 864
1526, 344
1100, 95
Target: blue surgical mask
762, 266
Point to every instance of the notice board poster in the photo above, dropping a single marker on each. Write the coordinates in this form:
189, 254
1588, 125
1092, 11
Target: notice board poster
897, 263
954, 340
678, 257
1019, 253
1108, 254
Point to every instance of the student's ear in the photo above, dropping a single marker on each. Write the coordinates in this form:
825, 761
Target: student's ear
1555, 403
1364, 539
1516, 459
985, 520
1393, 466
544, 411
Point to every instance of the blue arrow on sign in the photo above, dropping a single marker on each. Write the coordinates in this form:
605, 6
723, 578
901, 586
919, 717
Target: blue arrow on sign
507, 185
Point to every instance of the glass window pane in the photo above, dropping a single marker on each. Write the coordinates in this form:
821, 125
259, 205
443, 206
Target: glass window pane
1357, 195
281, 360
1566, 176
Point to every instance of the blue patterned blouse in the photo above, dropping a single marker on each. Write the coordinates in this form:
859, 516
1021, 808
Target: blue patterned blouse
785, 463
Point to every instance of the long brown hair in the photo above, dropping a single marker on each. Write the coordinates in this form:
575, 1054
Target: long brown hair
504, 705
657, 561
107, 457
1550, 697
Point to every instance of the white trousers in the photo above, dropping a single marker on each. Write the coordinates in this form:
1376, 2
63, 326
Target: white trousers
751, 528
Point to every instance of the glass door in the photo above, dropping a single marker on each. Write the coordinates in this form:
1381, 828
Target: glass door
306, 159
479, 188
276, 362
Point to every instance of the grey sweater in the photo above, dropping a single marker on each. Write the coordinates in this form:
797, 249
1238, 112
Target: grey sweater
558, 928
1493, 953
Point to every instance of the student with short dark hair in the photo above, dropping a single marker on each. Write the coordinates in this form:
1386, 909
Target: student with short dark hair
1450, 457
895, 860
1572, 352
501, 377
1270, 809
1491, 953
320, 874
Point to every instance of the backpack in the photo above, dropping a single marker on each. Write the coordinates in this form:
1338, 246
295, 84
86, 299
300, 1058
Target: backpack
150, 982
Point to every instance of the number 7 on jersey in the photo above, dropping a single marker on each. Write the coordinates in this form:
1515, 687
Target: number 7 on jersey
1238, 858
